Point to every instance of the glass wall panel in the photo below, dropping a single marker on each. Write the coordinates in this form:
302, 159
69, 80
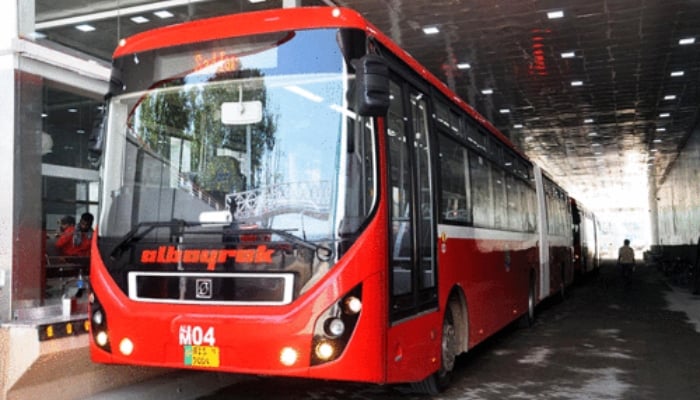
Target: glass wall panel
55, 176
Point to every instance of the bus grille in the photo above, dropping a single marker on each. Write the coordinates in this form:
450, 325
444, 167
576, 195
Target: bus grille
211, 288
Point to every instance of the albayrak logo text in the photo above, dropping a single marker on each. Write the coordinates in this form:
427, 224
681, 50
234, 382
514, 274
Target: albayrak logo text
210, 257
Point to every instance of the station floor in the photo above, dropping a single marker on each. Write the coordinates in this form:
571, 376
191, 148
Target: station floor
608, 340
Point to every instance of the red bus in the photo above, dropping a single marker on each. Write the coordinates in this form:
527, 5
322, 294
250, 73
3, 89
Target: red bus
289, 193
585, 234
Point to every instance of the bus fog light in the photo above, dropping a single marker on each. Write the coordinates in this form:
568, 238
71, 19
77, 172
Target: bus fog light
353, 305
324, 350
288, 356
126, 346
101, 338
335, 327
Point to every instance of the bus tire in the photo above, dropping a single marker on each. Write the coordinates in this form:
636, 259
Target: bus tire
562, 285
450, 347
528, 319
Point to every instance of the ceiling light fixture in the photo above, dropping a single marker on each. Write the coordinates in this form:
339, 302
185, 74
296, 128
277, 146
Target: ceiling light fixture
163, 14
555, 14
657, 140
123, 11
139, 19
85, 28
504, 111
576, 83
664, 115
677, 73
487, 91
568, 54
661, 129
670, 97
686, 41
588, 121
463, 65
518, 126
431, 30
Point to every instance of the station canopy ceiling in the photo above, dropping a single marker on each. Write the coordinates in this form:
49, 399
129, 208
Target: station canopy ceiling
602, 94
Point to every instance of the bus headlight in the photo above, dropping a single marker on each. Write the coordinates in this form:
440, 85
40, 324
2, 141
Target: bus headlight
98, 323
101, 338
126, 346
288, 356
324, 350
97, 318
353, 305
334, 327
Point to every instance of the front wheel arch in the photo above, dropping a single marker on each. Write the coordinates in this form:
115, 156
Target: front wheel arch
453, 341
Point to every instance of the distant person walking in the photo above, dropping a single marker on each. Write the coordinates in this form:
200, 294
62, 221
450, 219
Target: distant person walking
625, 259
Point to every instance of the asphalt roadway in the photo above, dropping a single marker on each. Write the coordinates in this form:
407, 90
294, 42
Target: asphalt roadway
608, 340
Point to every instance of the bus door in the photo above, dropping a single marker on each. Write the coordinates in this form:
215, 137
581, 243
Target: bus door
413, 283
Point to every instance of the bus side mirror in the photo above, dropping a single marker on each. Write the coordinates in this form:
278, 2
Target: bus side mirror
371, 86
96, 139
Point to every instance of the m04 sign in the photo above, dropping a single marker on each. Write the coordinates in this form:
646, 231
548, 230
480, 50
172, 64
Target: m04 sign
195, 335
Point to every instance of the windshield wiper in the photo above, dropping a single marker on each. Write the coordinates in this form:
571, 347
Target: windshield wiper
136, 233
323, 253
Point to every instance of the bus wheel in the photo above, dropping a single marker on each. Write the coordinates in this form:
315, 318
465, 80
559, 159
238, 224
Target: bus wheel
562, 286
450, 348
528, 319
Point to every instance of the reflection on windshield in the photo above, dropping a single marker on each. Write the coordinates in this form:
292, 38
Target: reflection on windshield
278, 169
255, 137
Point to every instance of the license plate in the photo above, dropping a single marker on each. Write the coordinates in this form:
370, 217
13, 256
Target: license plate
202, 356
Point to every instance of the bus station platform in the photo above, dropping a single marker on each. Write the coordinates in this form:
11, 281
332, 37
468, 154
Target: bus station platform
48, 358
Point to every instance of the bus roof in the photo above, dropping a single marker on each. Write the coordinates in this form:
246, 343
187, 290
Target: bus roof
274, 20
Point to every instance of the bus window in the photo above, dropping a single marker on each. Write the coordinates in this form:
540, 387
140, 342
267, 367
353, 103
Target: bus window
496, 151
515, 202
419, 111
480, 172
475, 136
499, 197
449, 120
455, 203
401, 189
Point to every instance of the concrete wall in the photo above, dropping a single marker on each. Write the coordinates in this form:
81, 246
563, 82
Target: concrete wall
678, 197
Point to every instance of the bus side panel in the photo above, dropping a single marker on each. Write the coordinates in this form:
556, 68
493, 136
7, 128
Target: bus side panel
413, 350
494, 276
560, 263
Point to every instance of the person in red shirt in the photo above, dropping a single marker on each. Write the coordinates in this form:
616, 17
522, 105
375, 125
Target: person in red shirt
75, 241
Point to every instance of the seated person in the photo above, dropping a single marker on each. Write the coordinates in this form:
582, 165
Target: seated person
74, 241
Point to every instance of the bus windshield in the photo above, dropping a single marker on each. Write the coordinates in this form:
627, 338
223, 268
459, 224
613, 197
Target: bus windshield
250, 132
